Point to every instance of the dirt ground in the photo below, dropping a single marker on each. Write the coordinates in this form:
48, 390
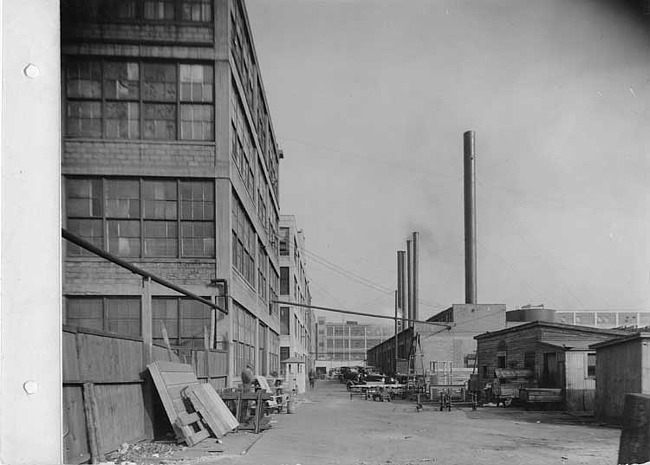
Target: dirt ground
330, 428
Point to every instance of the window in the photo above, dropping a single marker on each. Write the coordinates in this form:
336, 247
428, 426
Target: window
274, 283
285, 319
529, 360
284, 241
262, 267
284, 353
120, 315
139, 100
591, 365
262, 348
242, 150
142, 217
196, 10
244, 328
149, 10
243, 242
184, 320
274, 352
284, 280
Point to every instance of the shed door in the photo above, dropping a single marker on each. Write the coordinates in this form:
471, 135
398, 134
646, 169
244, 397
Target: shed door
550, 373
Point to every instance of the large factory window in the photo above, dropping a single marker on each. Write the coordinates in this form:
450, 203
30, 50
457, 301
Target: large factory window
135, 217
114, 314
138, 100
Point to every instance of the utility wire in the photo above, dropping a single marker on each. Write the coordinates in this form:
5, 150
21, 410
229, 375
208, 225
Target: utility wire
361, 280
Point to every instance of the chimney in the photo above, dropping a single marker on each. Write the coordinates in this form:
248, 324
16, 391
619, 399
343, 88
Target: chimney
470, 217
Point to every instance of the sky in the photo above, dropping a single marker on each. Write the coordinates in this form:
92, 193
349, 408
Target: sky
369, 101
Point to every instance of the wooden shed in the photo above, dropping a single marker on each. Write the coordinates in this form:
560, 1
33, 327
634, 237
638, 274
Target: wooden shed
622, 367
557, 354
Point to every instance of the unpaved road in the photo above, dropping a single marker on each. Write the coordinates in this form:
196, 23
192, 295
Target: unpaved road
330, 428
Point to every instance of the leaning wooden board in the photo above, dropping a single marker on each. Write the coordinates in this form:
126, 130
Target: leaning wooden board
214, 411
171, 379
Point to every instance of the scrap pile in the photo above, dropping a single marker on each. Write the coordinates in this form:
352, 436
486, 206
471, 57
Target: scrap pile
195, 410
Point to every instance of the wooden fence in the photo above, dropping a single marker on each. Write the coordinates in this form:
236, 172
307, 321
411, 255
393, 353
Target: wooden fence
106, 387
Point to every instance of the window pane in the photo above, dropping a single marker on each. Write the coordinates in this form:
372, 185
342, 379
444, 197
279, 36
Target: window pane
197, 200
160, 200
88, 230
194, 317
159, 83
84, 313
165, 311
197, 122
159, 122
84, 119
84, 197
122, 120
124, 238
159, 10
83, 79
121, 80
197, 239
160, 239
123, 316
196, 10
196, 83
122, 198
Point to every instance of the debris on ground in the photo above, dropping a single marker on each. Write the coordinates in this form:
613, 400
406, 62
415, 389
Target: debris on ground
131, 453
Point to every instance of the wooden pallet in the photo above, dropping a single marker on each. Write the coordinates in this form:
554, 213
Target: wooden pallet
171, 379
212, 409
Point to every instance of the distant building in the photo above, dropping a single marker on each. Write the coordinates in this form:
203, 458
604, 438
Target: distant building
347, 344
297, 324
605, 319
448, 340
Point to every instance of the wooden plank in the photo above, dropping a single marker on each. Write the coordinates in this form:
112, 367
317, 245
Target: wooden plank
91, 424
213, 410
121, 414
173, 402
70, 356
75, 436
163, 331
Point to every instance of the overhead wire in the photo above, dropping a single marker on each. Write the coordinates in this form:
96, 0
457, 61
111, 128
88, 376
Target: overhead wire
361, 280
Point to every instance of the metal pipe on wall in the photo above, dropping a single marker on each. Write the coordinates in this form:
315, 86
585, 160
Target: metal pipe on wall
409, 282
470, 216
416, 266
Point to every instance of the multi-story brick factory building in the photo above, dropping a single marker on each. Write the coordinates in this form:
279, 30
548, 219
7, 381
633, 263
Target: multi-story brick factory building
170, 162
296, 323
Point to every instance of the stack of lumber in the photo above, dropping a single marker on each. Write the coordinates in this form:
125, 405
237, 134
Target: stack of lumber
190, 406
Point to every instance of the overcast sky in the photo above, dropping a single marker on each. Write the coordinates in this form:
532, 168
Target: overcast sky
369, 101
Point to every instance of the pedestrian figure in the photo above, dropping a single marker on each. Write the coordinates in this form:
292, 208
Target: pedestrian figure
312, 378
247, 377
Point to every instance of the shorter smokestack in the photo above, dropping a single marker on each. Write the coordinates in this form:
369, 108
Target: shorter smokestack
401, 285
409, 282
416, 266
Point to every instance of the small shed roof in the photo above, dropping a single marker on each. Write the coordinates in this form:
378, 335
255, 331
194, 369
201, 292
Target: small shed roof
621, 340
547, 324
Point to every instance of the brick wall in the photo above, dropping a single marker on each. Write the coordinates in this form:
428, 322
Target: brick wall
91, 272
100, 153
